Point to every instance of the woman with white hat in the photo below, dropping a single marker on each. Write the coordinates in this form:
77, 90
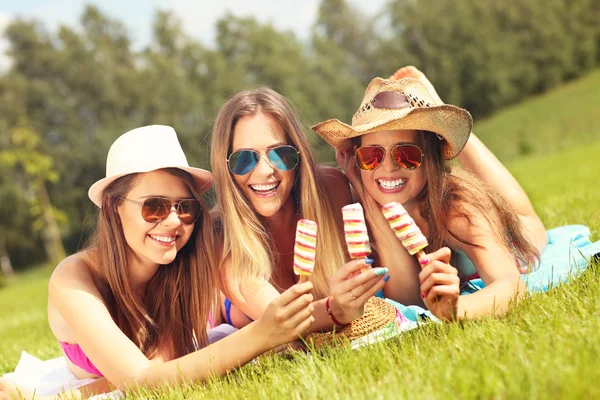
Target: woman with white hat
133, 306
266, 180
397, 150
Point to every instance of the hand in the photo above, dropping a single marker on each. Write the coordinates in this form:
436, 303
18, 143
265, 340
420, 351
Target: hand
347, 161
289, 315
350, 289
440, 285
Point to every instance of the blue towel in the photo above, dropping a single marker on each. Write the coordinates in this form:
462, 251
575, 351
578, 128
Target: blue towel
568, 254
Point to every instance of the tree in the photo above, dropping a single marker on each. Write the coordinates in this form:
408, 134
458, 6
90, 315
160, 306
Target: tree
33, 170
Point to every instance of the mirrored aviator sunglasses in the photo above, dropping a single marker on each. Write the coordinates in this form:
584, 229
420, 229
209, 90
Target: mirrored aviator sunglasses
283, 158
407, 156
157, 209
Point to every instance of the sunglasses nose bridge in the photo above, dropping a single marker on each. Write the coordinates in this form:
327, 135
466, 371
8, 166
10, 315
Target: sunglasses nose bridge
388, 163
175, 207
267, 162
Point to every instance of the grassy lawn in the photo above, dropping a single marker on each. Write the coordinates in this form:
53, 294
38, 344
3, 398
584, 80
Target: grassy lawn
565, 117
548, 346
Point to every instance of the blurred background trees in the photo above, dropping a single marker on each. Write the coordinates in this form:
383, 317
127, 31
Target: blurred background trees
70, 93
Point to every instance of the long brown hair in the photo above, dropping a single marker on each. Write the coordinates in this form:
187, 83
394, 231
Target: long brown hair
179, 297
456, 193
246, 239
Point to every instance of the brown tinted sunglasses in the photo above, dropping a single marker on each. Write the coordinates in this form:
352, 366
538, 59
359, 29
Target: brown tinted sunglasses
156, 209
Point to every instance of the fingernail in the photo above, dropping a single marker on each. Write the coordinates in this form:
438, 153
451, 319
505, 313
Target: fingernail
386, 278
422, 295
380, 271
424, 261
368, 261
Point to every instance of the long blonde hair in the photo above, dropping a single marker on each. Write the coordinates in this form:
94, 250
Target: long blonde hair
246, 239
178, 299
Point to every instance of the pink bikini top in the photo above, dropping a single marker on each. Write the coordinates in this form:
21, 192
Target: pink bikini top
76, 355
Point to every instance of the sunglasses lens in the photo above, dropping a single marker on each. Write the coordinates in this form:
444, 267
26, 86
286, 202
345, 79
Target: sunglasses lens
393, 100
243, 161
189, 211
155, 209
409, 157
369, 157
283, 158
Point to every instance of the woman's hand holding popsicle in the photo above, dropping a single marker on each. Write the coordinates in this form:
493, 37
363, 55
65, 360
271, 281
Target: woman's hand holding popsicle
440, 285
350, 289
288, 316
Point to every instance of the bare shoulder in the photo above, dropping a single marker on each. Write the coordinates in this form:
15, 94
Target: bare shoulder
470, 226
336, 184
74, 271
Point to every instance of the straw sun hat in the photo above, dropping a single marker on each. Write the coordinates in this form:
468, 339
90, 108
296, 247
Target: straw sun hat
414, 108
146, 149
379, 314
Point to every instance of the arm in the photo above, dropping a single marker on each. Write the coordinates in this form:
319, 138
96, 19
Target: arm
479, 160
350, 290
494, 263
73, 293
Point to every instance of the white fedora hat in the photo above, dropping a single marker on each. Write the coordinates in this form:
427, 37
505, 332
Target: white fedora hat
146, 149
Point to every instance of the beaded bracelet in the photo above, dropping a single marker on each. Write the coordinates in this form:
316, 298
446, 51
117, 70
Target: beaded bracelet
328, 307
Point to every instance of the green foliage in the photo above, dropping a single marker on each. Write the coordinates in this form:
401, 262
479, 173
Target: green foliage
485, 54
78, 89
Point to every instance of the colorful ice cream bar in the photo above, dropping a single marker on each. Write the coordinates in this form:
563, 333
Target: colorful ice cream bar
305, 248
405, 227
355, 230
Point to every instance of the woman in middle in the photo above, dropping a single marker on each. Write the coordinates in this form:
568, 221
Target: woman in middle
266, 180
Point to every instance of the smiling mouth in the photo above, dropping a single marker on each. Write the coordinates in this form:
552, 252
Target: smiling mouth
265, 189
389, 184
164, 239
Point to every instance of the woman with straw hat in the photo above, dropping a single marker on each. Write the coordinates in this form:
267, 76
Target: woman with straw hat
146, 284
266, 180
397, 150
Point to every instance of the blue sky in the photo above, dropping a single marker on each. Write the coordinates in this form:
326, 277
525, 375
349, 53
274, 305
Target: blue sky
197, 16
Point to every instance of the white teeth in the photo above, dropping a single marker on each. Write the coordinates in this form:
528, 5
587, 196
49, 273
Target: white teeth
388, 184
264, 188
164, 239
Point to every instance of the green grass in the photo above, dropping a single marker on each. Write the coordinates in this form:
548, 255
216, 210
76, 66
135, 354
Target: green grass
23, 319
548, 346
565, 117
